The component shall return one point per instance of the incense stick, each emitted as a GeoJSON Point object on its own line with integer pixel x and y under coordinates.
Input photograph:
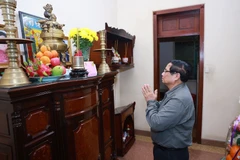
{"type": "Point", "coordinates": [116, 45]}
{"type": "Point", "coordinates": [126, 49]}
{"type": "Point", "coordinates": [77, 41]}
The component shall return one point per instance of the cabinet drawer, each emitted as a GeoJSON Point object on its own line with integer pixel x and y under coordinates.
{"type": "Point", "coordinates": [80, 101]}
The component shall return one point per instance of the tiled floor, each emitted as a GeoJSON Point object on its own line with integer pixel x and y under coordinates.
{"type": "Point", "coordinates": [142, 150]}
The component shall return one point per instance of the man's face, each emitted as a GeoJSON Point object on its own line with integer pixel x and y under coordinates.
{"type": "Point", "coordinates": [3, 47]}
{"type": "Point", "coordinates": [167, 77]}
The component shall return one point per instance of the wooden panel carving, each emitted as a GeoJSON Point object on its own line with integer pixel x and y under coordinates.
{"type": "Point", "coordinates": [119, 32]}
{"type": "Point", "coordinates": [186, 23]}
{"type": "Point", "coordinates": [4, 129]}
{"type": "Point", "coordinates": [106, 125]}
{"type": "Point", "coordinates": [174, 25]}
{"type": "Point", "coordinates": [80, 104]}
{"type": "Point", "coordinates": [37, 122]}
{"type": "Point", "coordinates": [86, 140]}
{"type": "Point", "coordinates": [105, 96]}
{"type": "Point", "coordinates": [16, 119]}
{"type": "Point", "coordinates": [168, 25]}
{"type": "Point", "coordinates": [42, 153]}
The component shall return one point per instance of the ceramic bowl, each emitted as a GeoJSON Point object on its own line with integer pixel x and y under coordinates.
{"type": "Point", "coordinates": [125, 59]}
{"type": "Point", "coordinates": [115, 60]}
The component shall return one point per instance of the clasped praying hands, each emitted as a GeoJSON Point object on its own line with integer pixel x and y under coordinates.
{"type": "Point", "coordinates": [148, 93]}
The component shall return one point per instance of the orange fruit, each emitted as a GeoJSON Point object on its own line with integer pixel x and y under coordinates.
{"type": "Point", "coordinates": [234, 150]}
{"type": "Point", "coordinates": [54, 53]}
{"type": "Point", "coordinates": [48, 54]}
{"type": "Point", "coordinates": [45, 59]}
{"type": "Point", "coordinates": [43, 48]}
{"type": "Point", "coordinates": [39, 54]}
{"type": "Point", "coordinates": [228, 157]}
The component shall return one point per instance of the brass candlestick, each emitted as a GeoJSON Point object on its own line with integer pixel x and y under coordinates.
{"type": "Point", "coordinates": [103, 68]}
{"type": "Point", "coordinates": [13, 75]}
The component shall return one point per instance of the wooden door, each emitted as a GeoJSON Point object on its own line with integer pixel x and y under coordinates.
{"type": "Point", "coordinates": [179, 22]}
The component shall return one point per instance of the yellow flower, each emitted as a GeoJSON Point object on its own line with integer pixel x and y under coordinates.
{"type": "Point", "coordinates": [83, 37]}
{"type": "Point", "coordinates": [73, 32]}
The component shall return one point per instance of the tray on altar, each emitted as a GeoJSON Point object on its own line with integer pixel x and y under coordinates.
{"type": "Point", "coordinates": [45, 79]}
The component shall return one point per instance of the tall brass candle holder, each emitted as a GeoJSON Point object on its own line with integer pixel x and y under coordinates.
{"type": "Point", "coordinates": [13, 75]}
{"type": "Point", "coordinates": [103, 68]}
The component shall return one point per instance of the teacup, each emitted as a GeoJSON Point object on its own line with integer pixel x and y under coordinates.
{"type": "Point", "coordinates": [125, 59]}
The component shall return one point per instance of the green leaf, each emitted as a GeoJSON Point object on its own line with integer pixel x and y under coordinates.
{"type": "Point", "coordinates": [40, 79]}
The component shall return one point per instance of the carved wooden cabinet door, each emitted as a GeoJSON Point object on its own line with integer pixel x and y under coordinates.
{"type": "Point", "coordinates": [81, 123]}
{"type": "Point", "coordinates": [35, 125]}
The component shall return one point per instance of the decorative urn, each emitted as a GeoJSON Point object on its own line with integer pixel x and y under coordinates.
{"type": "Point", "coordinates": [52, 33]}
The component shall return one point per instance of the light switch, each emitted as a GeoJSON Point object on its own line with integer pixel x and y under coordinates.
{"type": "Point", "coordinates": [206, 69]}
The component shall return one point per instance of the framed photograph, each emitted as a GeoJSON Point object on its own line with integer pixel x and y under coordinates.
{"type": "Point", "coordinates": [30, 30]}
{"type": "Point", "coordinates": [67, 41]}
{"type": "Point", "coordinates": [3, 49]}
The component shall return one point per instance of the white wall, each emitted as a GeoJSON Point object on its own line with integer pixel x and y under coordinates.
{"type": "Point", "coordinates": [221, 52]}
{"type": "Point", "coordinates": [73, 13]}
{"type": "Point", "coordinates": [221, 55]}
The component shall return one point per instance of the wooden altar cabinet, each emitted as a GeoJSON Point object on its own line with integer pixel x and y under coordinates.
{"type": "Point", "coordinates": [64, 120]}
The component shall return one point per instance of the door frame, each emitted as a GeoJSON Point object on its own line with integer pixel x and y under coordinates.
{"type": "Point", "coordinates": [156, 58]}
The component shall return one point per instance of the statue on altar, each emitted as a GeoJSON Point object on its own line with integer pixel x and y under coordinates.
{"type": "Point", "coordinates": [52, 33]}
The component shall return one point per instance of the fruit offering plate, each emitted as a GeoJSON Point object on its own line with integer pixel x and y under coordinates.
{"type": "Point", "coordinates": [45, 79]}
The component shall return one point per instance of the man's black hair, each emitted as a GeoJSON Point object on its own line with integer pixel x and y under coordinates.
{"type": "Point", "coordinates": [181, 67]}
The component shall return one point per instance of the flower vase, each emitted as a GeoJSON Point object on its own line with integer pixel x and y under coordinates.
{"type": "Point", "coordinates": [86, 53]}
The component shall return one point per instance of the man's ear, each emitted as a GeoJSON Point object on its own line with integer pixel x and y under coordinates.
{"type": "Point", "coordinates": [177, 75]}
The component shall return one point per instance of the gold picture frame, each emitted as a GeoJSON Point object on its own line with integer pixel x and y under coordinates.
{"type": "Point", "coordinates": [5, 64]}
{"type": "Point", "coordinates": [67, 41]}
